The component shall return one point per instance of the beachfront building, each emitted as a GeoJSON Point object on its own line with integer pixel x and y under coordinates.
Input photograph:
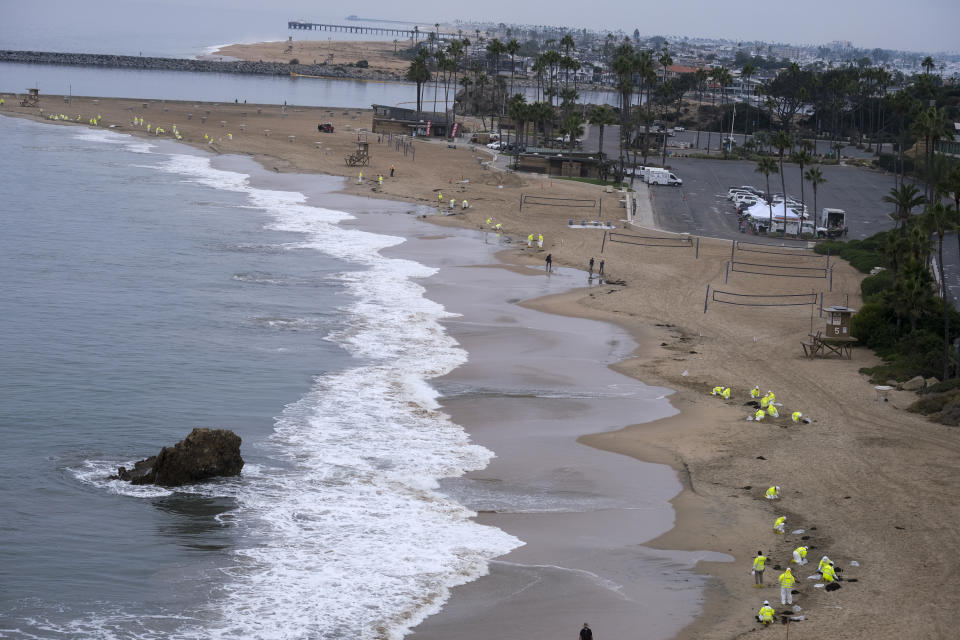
{"type": "Point", "coordinates": [553, 162]}
{"type": "Point", "coordinates": [396, 120]}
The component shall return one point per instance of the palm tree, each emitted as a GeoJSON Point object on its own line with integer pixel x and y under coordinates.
{"type": "Point", "coordinates": [512, 48]}
{"type": "Point", "coordinates": [904, 198]}
{"type": "Point", "coordinates": [940, 220]}
{"type": "Point", "coordinates": [724, 78]}
{"type": "Point", "coordinates": [623, 66]}
{"type": "Point", "coordinates": [782, 141]}
{"type": "Point", "coordinates": [568, 45]}
{"type": "Point", "coordinates": [928, 64]}
{"type": "Point", "coordinates": [419, 72]}
{"type": "Point", "coordinates": [700, 78]}
{"type": "Point", "coordinates": [802, 157]}
{"type": "Point", "coordinates": [746, 73]}
{"type": "Point", "coordinates": [933, 124]}
{"type": "Point", "coordinates": [713, 102]}
{"type": "Point", "coordinates": [496, 49]}
{"type": "Point", "coordinates": [456, 51]}
{"type": "Point", "coordinates": [766, 166]}
{"type": "Point", "coordinates": [602, 115]}
{"type": "Point", "coordinates": [643, 66]}
{"type": "Point", "coordinates": [815, 177]}
{"type": "Point", "coordinates": [573, 127]}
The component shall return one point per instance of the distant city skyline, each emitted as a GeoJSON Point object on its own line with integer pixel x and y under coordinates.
{"type": "Point", "coordinates": [923, 26]}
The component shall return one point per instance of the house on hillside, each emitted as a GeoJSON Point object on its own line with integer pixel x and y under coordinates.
{"type": "Point", "coordinates": [676, 70]}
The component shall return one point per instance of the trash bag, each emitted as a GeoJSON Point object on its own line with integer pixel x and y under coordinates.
{"type": "Point", "coordinates": [854, 563]}
{"type": "Point", "coordinates": [833, 586]}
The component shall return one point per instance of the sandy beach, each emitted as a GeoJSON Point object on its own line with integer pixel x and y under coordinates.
{"type": "Point", "coordinates": [865, 480]}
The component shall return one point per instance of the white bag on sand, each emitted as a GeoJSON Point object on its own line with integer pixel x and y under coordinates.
{"type": "Point", "coordinates": [797, 608]}
{"type": "Point", "coordinates": [797, 618]}
{"type": "Point", "coordinates": [797, 531]}
{"type": "Point", "coordinates": [854, 563]}
{"type": "Point", "coordinates": [819, 585]}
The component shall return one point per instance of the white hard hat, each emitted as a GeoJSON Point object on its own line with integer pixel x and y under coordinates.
{"type": "Point", "coordinates": [766, 602]}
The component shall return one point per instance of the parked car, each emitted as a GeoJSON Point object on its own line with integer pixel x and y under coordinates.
{"type": "Point", "coordinates": [679, 129]}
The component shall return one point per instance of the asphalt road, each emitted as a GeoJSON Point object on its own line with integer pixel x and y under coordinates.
{"type": "Point", "coordinates": [700, 206]}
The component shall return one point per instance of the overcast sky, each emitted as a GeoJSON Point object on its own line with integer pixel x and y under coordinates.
{"type": "Point", "coordinates": [920, 25]}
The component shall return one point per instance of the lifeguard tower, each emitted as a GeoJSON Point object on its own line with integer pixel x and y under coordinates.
{"type": "Point", "coordinates": [361, 157]}
{"type": "Point", "coordinates": [835, 338]}
{"type": "Point", "coordinates": [32, 99]}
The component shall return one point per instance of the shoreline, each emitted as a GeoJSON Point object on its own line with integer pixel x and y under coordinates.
{"type": "Point", "coordinates": [818, 464]}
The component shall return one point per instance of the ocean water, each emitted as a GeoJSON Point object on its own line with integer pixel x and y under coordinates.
{"type": "Point", "coordinates": [144, 293]}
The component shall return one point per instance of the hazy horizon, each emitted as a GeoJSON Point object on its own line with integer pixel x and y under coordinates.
{"type": "Point", "coordinates": [925, 26]}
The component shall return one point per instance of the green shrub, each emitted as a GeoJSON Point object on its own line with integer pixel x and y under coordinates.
{"type": "Point", "coordinates": [872, 285]}
{"type": "Point", "coordinates": [934, 403]}
{"type": "Point", "coordinates": [872, 326]}
{"type": "Point", "coordinates": [943, 387]}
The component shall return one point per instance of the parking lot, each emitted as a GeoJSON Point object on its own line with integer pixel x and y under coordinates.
{"type": "Point", "coordinates": [715, 140]}
{"type": "Point", "coordinates": [700, 206]}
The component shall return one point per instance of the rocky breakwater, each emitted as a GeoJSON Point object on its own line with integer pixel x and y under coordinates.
{"type": "Point", "coordinates": [204, 454]}
{"type": "Point", "coordinates": [187, 64]}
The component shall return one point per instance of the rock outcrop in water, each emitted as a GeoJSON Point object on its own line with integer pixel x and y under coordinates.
{"type": "Point", "coordinates": [204, 454]}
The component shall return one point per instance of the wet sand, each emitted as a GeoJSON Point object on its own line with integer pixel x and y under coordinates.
{"type": "Point", "coordinates": [868, 480]}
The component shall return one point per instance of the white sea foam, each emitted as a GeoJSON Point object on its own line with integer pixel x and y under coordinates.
{"type": "Point", "coordinates": [353, 539]}
{"type": "Point", "coordinates": [112, 137]}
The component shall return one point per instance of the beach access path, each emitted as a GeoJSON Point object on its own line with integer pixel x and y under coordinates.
{"type": "Point", "coordinates": [865, 479]}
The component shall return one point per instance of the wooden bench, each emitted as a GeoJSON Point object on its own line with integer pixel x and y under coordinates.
{"type": "Point", "coordinates": [812, 346]}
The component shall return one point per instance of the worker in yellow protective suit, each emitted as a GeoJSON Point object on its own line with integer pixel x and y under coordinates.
{"type": "Point", "coordinates": [796, 416]}
{"type": "Point", "coordinates": [800, 555]}
{"type": "Point", "coordinates": [759, 564]}
{"type": "Point", "coordinates": [773, 493]}
{"type": "Point", "coordinates": [779, 524]}
{"type": "Point", "coordinates": [829, 573]}
{"type": "Point", "coordinates": [766, 613]}
{"type": "Point", "coordinates": [759, 415]}
{"type": "Point", "coordinates": [787, 581]}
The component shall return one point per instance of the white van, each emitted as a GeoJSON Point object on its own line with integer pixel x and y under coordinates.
{"type": "Point", "coordinates": [662, 176]}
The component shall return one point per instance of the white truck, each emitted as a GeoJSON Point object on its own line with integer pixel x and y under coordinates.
{"type": "Point", "coordinates": [662, 176]}
{"type": "Point", "coordinates": [832, 223]}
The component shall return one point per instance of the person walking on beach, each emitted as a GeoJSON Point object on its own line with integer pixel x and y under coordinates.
{"type": "Point", "coordinates": [591, 266]}
{"type": "Point", "coordinates": [529, 240]}
{"type": "Point", "coordinates": [549, 261]}
{"type": "Point", "coordinates": [540, 240]}
{"type": "Point", "coordinates": [600, 270]}
{"type": "Point", "coordinates": [586, 633]}
{"type": "Point", "coordinates": [380, 182]}
{"type": "Point", "coordinates": [759, 564]}
{"type": "Point", "coordinates": [787, 581]}
{"type": "Point", "coordinates": [392, 170]}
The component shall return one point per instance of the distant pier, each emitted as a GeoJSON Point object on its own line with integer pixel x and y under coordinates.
{"type": "Point", "coordinates": [382, 31]}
